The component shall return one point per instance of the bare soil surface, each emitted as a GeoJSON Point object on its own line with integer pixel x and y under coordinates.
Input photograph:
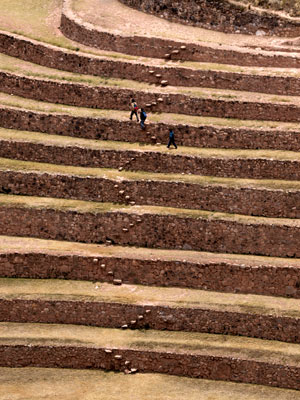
{"type": "Point", "coordinates": [64, 384]}
{"type": "Point", "coordinates": [113, 16]}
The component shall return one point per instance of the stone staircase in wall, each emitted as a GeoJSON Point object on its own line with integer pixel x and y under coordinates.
{"type": "Point", "coordinates": [119, 254]}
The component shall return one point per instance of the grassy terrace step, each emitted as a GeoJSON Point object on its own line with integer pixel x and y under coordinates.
{"type": "Point", "coordinates": [114, 16]}
{"type": "Point", "coordinates": [270, 80]}
{"type": "Point", "coordinates": [25, 114]}
{"type": "Point", "coordinates": [251, 197]}
{"type": "Point", "coordinates": [36, 258]}
{"type": "Point", "coordinates": [14, 16]}
{"type": "Point", "coordinates": [113, 93]}
{"type": "Point", "coordinates": [39, 36]}
{"type": "Point", "coordinates": [45, 16]}
{"type": "Point", "coordinates": [32, 70]}
{"type": "Point", "coordinates": [43, 28]}
{"type": "Point", "coordinates": [177, 353]}
{"type": "Point", "coordinates": [140, 307]}
{"type": "Point", "coordinates": [40, 383]}
{"type": "Point", "coordinates": [148, 226]}
{"type": "Point", "coordinates": [255, 164]}
{"type": "Point", "coordinates": [111, 31]}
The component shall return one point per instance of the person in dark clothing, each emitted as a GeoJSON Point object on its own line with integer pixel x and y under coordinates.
{"type": "Point", "coordinates": [143, 117]}
{"type": "Point", "coordinates": [134, 110]}
{"type": "Point", "coordinates": [171, 139]}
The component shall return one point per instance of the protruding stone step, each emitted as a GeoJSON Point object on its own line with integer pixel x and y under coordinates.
{"type": "Point", "coordinates": [249, 197]}
{"type": "Point", "coordinates": [207, 102]}
{"type": "Point", "coordinates": [148, 226]}
{"type": "Point", "coordinates": [155, 227]}
{"type": "Point", "coordinates": [255, 164]}
{"type": "Point", "coordinates": [173, 309]}
{"type": "Point", "coordinates": [177, 353]}
{"type": "Point", "coordinates": [215, 75]}
{"type": "Point", "coordinates": [36, 258]}
{"type": "Point", "coordinates": [142, 45]}
{"type": "Point", "coordinates": [198, 132]}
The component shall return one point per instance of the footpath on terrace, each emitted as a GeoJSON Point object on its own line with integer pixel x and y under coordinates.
{"type": "Point", "coordinates": [127, 267]}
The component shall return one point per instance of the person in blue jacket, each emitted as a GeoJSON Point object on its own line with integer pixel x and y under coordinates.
{"type": "Point", "coordinates": [143, 117]}
{"type": "Point", "coordinates": [171, 139]}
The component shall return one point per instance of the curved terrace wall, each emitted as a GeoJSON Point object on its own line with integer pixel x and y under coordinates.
{"type": "Point", "coordinates": [170, 231]}
{"type": "Point", "coordinates": [247, 201]}
{"type": "Point", "coordinates": [106, 97]}
{"type": "Point", "coordinates": [116, 314]}
{"type": "Point", "coordinates": [182, 364]}
{"type": "Point", "coordinates": [77, 30]}
{"type": "Point", "coordinates": [67, 60]}
{"type": "Point", "coordinates": [219, 15]}
{"type": "Point", "coordinates": [225, 276]}
{"type": "Point", "coordinates": [54, 57]}
{"type": "Point", "coordinates": [151, 161]}
{"type": "Point", "coordinates": [149, 227]}
{"type": "Point", "coordinates": [111, 129]}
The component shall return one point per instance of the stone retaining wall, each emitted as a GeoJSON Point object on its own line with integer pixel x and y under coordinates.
{"type": "Point", "coordinates": [115, 315]}
{"type": "Point", "coordinates": [151, 161]}
{"type": "Point", "coordinates": [111, 98]}
{"type": "Point", "coordinates": [248, 201]}
{"type": "Point", "coordinates": [66, 60]}
{"type": "Point", "coordinates": [76, 30]}
{"type": "Point", "coordinates": [112, 129]}
{"type": "Point", "coordinates": [106, 97]}
{"type": "Point", "coordinates": [219, 15]}
{"type": "Point", "coordinates": [181, 364]}
{"type": "Point", "coordinates": [264, 278]}
{"type": "Point", "coordinates": [174, 231]}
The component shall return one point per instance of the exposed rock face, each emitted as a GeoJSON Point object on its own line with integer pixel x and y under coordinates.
{"type": "Point", "coordinates": [291, 7]}
{"type": "Point", "coordinates": [219, 15]}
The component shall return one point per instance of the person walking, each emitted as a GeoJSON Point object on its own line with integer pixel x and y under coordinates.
{"type": "Point", "coordinates": [171, 139]}
{"type": "Point", "coordinates": [143, 117]}
{"type": "Point", "coordinates": [134, 110]}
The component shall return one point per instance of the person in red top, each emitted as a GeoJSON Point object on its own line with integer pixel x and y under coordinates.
{"type": "Point", "coordinates": [134, 110]}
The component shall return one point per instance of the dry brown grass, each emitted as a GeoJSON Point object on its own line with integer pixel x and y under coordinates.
{"type": "Point", "coordinates": [25, 245]}
{"type": "Point", "coordinates": [64, 290]}
{"type": "Point", "coordinates": [9, 64]}
{"type": "Point", "coordinates": [98, 208]}
{"type": "Point", "coordinates": [179, 342]}
{"type": "Point", "coordinates": [64, 384]}
{"type": "Point", "coordinates": [105, 173]}
{"type": "Point", "coordinates": [67, 141]}
{"type": "Point", "coordinates": [23, 103]}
